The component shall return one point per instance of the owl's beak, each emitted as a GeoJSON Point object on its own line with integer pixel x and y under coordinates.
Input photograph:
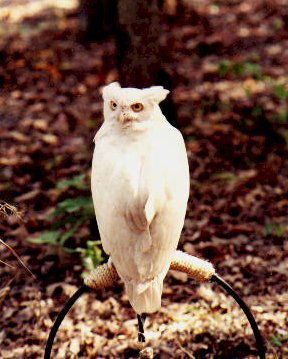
{"type": "Point", "coordinates": [124, 118]}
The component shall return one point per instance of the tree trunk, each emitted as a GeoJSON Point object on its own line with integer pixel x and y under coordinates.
{"type": "Point", "coordinates": [139, 57]}
{"type": "Point", "coordinates": [138, 42]}
{"type": "Point", "coordinates": [136, 24]}
{"type": "Point", "coordinates": [97, 19]}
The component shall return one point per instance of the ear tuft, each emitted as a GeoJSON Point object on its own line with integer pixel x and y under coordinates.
{"type": "Point", "coordinates": [109, 89]}
{"type": "Point", "coordinates": [156, 93]}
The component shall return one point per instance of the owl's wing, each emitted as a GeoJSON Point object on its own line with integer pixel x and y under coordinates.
{"type": "Point", "coordinates": [165, 178]}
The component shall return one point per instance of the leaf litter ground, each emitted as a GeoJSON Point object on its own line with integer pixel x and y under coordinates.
{"type": "Point", "coordinates": [229, 62]}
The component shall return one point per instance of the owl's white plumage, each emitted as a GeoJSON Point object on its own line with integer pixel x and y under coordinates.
{"type": "Point", "coordinates": [140, 188]}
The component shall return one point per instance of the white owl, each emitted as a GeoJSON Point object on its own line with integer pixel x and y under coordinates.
{"type": "Point", "coordinates": [140, 188]}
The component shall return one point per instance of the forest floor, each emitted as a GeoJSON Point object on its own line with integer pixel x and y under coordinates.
{"type": "Point", "coordinates": [229, 63]}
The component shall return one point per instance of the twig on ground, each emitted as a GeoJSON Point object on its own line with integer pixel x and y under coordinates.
{"type": "Point", "coordinates": [7, 210]}
{"type": "Point", "coordinates": [16, 256]}
{"type": "Point", "coordinates": [7, 264]}
{"type": "Point", "coordinates": [191, 356]}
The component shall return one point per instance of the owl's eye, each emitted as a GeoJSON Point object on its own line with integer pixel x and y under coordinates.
{"type": "Point", "coordinates": [137, 107]}
{"type": "Point", "coordinates": [113, 105]}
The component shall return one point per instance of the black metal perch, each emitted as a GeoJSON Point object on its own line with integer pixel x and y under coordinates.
{"type": "Point", "coordinates": [196, 268]}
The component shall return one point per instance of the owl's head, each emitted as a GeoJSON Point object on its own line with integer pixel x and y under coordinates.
{"type": "Point", "coordinates": [131, 107]}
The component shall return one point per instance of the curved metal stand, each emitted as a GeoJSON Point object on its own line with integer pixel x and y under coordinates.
{"type": "Point", "coordinates": [258, 337]}
{"type": "Point", "coordinates": [198, 269]}
{"type": "Point", "coordinates": [69, 304]}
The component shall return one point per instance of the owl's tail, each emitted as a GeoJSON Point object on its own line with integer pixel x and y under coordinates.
{"type": "Point", "coordinates": [145, 297]}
